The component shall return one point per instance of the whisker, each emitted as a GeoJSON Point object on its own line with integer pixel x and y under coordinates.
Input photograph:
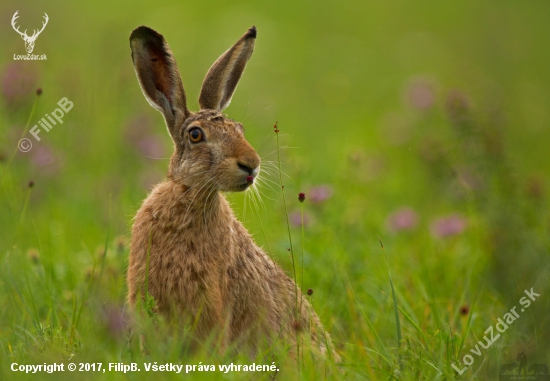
{"type": "Point", "coordinates": [157, 158]}
{"type": "Point", "coordinates": [275, 151]}
{"type": "Point", "coordinates": [273, 182]}
{"type": "Point", "coordinates": [248, 104]}
{"type": "Point", "coordinates": [275, 175]}
{"type": "Point", "coordinates": [267, 140]}
{"type": "Point", "coordinates": [211, 211]}
{"type": "Point", "coordinates": [262, 181]}
{"type": "Point", "coordinates": [191, 203]}
{"type": "Point", "coordinates": [253, 199]}
{"type": "Point", "coordinates": [256, 113]}
{"type": "Point", "coordinates": [261, 202]}
{"type": "Point", "coordinates": [244, 206]}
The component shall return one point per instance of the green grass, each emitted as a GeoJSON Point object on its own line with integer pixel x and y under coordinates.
{"type": "Point", "coordinates": [439, 108]}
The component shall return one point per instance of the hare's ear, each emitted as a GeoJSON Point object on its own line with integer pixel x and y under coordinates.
{"type": "Point", "coordinates": [222, 78]}
{"type": "Point", "coordinates": [158, 76]}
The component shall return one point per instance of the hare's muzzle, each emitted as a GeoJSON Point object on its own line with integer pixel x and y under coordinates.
{"type": "Point", "coordinates": [248, 170]}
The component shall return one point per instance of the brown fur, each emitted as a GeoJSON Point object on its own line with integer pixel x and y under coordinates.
{"type": "Point", "coordinates": [203, 265]}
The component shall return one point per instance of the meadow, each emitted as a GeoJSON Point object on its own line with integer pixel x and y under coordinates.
{"type": "Point", "coordinates": [418, 132]}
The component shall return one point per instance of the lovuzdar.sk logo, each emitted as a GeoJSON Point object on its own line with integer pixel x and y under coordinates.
{"type": "Point", "coordinates": [29, 40]}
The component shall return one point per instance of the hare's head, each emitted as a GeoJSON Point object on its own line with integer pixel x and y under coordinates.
{"type": "Point", "coordinates": [210, 149]}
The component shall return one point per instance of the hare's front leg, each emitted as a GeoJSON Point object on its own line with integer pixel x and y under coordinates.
{"type": "Point", "coordinates": [206, 302]}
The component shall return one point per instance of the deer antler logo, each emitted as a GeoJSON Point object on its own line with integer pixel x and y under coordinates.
{"type": "Point", "coordinates": [29, 40]}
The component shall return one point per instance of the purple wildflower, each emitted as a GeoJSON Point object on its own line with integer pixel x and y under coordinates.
{"type": "Point", "coordinates": [149, 178]}
{"type": "Point", "coordinates": [142, 134]}
{"type": "Point", "coordinates": [402, 219]}
{"type": "Point", "coordinates": [421, 94]}
{"type": "Point", "coordinates": [43, 156]}
{"type": "Point", "coordinates": [448, 226]}
{"type": "Point", "coordinates": [320, 193]}
{"type": "Point", "coordinates": [150, 147]}
{"type": "Point", "coordinates": [116, 321]}
{"type": "Point", "coordinates": [296, 219]}
{"type": "Point", "coordinates": [18, 83]}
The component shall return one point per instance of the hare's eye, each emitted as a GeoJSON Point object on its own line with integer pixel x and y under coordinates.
{"type": "Point", "coordinates": [195, 135]}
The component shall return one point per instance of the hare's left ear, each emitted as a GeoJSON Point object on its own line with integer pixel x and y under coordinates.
{"type": "Point", "coordinates": [222, 78]}
{"type": "Point", "coordinates": [159, 77]}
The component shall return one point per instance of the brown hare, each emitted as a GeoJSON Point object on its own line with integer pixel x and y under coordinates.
{"type": "Point", "coordinates": [198, 262]}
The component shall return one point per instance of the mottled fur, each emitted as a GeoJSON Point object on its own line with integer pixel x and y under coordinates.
{"type": "Point", "coordinates": [204, 267]}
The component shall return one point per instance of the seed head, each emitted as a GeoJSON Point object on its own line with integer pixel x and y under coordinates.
{"type": "Point", "coordinates": [121, 243]}
{"type": "Point", "coordinates": [39, 91]}
{"type": "Point", "coordinates": [89, 273]}
{"type": "Point", "coordinates": [535, 188]}
{"type": "Point", "coordinates": [464, 310]}
{"type": "Point", "coordinates": [68, 295]}
{"type": "Point", "coordinates": [297, 326]}
{"type": "Point", "coordinates": [275, 128]}
{"type": "Point", "coordinates": [301, 197]}
{"type": "Point", "coordinates": [34, 255]}
{"type": "Point", "coordinates": [100, 252]}
{"type": "Point", "coordinates": [31, 184]}
{"type": "Point", "coordinates": [458, 106]}
{"type": "Point", "coordinates": [310, 291]}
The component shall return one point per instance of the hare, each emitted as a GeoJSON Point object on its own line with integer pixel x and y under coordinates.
{"type": "Point", "coordinates": [188, 249]}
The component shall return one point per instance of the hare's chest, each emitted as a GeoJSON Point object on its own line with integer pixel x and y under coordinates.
{"type": "Point", "coordinates": [187, 277]}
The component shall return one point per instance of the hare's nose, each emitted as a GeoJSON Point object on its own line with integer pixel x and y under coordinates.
{"type": "Point", "coordinates": [246, 168]}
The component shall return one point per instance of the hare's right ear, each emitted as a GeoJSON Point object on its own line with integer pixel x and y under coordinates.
{"type": "Point", "coordinates": [222, 78]}
{"type": "Point", "coordinates": [158, 76]}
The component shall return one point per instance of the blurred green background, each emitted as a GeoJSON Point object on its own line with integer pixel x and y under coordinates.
{"type": "Point", "coordinates": [420, 124]}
